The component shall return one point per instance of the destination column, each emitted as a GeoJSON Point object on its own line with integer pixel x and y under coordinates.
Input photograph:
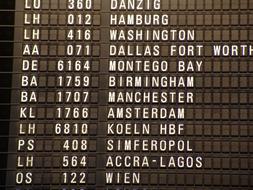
{"type": "Point", "coordinates": [150, 88]}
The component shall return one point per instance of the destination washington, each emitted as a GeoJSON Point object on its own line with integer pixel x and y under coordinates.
{"type": "Point", "coordinates": [152, 81]}
{"type": "Point", "coordinates": [151, 35]}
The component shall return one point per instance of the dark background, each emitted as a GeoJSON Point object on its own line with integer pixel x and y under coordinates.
{"type": "Point", "coordinates": [7, 8]}
{"type": "Point", "coordinates": [212, 126]}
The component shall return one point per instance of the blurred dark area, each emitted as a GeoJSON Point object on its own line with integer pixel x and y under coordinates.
{"type": "Point", "coordinates": [7, 13]}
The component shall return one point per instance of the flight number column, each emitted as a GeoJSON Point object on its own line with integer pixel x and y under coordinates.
{"type": "Point", "coordinates": [76, 96]}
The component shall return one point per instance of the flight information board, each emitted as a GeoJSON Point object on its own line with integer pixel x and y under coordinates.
{"type": "Point", "coordinates": [126, 94]}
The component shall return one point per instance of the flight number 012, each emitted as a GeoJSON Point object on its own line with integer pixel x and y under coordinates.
{"type": "Point", "coordinates": [79, 19]}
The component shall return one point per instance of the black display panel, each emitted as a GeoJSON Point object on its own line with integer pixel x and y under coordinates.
{"type": "Point", "coordinates": [126, 94]}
